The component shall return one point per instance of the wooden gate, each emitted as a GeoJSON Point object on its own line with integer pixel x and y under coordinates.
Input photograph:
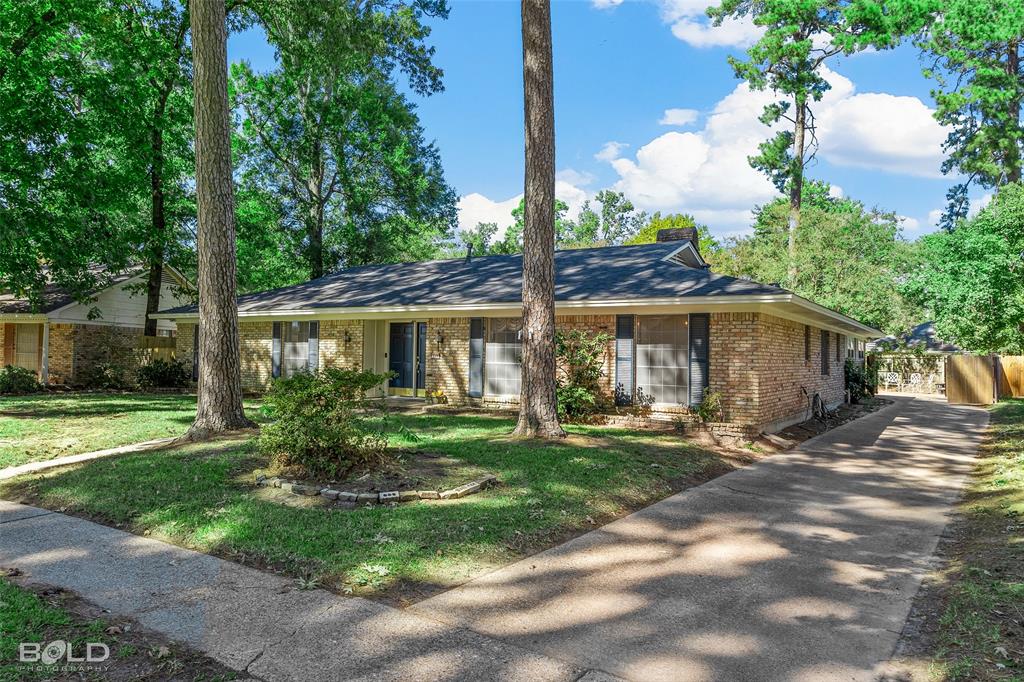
{"type": "Point", "coordinates": [1011, 376]}
{"type": "Point", "coordinates": [970, 380]}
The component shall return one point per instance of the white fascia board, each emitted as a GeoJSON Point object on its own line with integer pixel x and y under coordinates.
{"type": "Point", "coordinates": [23, 317]}
{"type": "Point", "coordinates": [766, 303]}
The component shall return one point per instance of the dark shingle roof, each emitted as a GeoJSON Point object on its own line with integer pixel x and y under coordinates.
{"type": "Point", "coordinates": [609, 273]}
{"type": "Point", "coordinates": [922, 337]}
{"type": "Point", "coordinates": [54, 296]}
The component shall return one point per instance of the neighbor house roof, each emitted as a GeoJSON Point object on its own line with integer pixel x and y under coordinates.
{"type": "Point", "coordinates": [922, 337]}
{"type": "Point", "coordinates": [615, 274]}
{"type": "Point", "coordinates": [55, 297]}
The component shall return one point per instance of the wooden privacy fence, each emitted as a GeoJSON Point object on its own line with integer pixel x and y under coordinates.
{"type": "Point", "coordinates": [1011, 376]}
{"type": "Point", "coordinates": [971, 379]}
{"type": "Point", "coordinates": [155, 348]}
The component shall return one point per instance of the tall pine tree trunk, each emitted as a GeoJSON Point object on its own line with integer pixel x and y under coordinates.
{"type": "Point", "coordinates": [796, 188]}
{"type": "Point", "coordinates": [220, 382]}
{"type": "Point", "coordinates": [157, 229]}
{"type": "Point", "coordinates": [538, 406]}
{"type": "Point", "coordinates": [1013, 161]}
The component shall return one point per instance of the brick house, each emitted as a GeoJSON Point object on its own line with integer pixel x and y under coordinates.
{"type": "Point", "coordinates": [62, 336]}
{"type": "Point", "coordinates": [675, 329]}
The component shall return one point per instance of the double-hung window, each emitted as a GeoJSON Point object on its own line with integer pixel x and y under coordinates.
{"type": "Point", "coordinates": [504, 357]}
{"type": "Point", "coordinates": [662, 359]}
{"type": "Point", "coordinates": [294, 348]}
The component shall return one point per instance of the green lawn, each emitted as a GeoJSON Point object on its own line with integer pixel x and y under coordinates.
{"type": "Point", "coordinates": [41, 427]}
{"type": "Point", "coordinates": [981, 630]}
{"type": "Point", "coordinates": [201, 496]}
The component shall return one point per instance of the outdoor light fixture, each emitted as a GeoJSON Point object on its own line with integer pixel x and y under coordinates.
{"type": "Point", "coordinates": [348, 337]}
{"type": "Point", "coordinates": [440, 339]}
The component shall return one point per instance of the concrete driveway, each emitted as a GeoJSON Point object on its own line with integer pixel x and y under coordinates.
{"type": "Point", "coordinates": [800, 567]}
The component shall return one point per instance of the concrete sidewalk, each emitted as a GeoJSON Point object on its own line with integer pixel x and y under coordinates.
{"type": "Point", "coordinates": [800, 567]}
{"type": "Point", "coordinates": [249, 620]}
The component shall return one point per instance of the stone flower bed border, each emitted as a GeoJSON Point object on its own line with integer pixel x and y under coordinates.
{"type": "Point", "coordinates": [388, 497]}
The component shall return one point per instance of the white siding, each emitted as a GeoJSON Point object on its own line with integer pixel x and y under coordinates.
{"type": "Point", "coordinates": [123, 305]}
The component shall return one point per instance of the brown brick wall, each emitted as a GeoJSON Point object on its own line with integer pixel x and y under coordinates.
{"type": "Point", "coordinates": [448, 362]}
{"type": "Point", "coordinates": [61, 356]}
{"type": "Point", "coordinates": [95, 344]}
{"type": "Point", "coordinates": [756, 360]}
{"type": "Point", "coordinates": [183, 344]}
{"type": "Point", "coordinates": [335, 351]}
{"type": "Point", "coordinates": [256, 348]}
{"type": "Point", "coordinates": [757, 364]}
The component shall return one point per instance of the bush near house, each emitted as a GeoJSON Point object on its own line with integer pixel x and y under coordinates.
{"type": "Point", "coordinates": [861, 380]}
{"type": "Point", "coordinates": [104, 376]}
{"type": "Point", "coordinates": [324, 424]}
{"type": "Point", "coordinates": [163, 374]}
{"type": "Point", "coordinates": [18, 381]}
{"type": "Point", "coordinates": [580, 356]}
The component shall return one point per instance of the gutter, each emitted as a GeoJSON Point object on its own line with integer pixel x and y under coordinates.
{"type": "Point", "coordinates": [466, 309]}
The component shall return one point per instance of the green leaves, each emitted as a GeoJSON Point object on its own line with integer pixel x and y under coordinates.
{"type": "Point", "coordinates": [972, 279]}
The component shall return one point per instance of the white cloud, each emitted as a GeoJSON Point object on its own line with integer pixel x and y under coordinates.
{"type": "Point", "coordinates": [610, 151]}
{"type": "Point", "coordinates": [678, 117]}
{"type": "Point", "coordinates": [689, 23]}
{"type": "Point", "coordinates": [476, 208]}
{"type": "Point", "coordinates": [731, 33]}
{"type": "Point", "coordinates": [706, 171]}
{"type": "Point", "coordinates": [836, 192]}
{"type": "Point", "coordinates": [909, 223]}
{"type": "Point", "coordinates": [575, 177]}
{"type": "Point", "coordinates": [979, 203]}
{"type": "Point", "coordinates": [882, 132]}
{"type": "Point", "coordinates": [934, 216]}
{"type": "Point", "coordinates": [606, 4]}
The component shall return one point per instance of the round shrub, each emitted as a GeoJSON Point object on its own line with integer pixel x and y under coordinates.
{"type": "Point", "coordinates": [18, 381]}
{"type": "Point", "coordinates": [103, 376]}
{"type": "Point", "coordinates": [324, 425]}
{"type": "Point", "coordinates": [163, 374]}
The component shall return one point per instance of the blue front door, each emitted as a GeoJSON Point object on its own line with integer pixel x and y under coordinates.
{"type": "Point", "coordinates": [401, 355]}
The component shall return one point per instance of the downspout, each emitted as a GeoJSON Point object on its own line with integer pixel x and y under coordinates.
{"type": "Point", "coordinates": [44, 365]}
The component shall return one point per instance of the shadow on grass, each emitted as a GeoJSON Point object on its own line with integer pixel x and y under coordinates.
{"type": "Point", "coordinates": [201, 497]}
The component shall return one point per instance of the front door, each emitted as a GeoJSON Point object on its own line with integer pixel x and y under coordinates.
{"type": "Point", "coordinates": [401, 358]}
{"type": "Point", "coordinates": [26, 346]}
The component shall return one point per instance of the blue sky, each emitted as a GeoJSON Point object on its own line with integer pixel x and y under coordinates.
{"type": "Point", "coordinates": [619, 68]}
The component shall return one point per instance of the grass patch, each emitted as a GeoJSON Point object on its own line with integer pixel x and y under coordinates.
{"type": "Point", "coordinates": [980, 634]}
{"type": "Point", "coordinates": [40, 615]}
{"type": "Point", "coordinates": [201, 496]}
{"type": "Point", "coordinates": [41, 427]}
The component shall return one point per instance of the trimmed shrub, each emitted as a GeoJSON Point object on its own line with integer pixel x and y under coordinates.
{"type": "Point", "coordinates": [324, 424]}
{"type": "Point", "coordinates": [163, 374]}
{"type": "Point", "coordinates": [580, 356]}
{"type": "Point", "coordinates": [861, 380]}
{"type": "Point", "coordinates": [710, 408]}
{"type": "Point", "coordinates": [103, 376]}
{"type": "Point", "coordinates": [18, 381]}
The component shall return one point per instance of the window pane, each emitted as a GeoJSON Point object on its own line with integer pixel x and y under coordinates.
{"type": "Point", "coordinates": [294, 347]}
{"type": "Point", "coordinates": [662, 351]}
{"type": "Point", "coordinates": [503, 357]}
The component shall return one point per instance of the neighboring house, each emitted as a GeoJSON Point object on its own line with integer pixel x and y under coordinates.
{"type": "Point", "coordinates": [914, 362]}
{"type": "Point", "coordinates": [62, 336]}
{"type": "Point", "coordinates": [454, 326]}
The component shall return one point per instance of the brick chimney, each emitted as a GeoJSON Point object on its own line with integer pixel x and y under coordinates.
{"type": "Point", "coordinates": [680, 234]}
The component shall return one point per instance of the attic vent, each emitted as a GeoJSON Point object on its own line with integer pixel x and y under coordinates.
{"type": "Point", "coordinates": [682, 257]}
